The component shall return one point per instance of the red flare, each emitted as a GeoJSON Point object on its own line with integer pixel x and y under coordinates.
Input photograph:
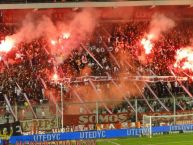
{"type": "Point", "coordinates": [184, 59]}
{"type": "Point", "coordinates": [55, 77]}
{"type": "Point", "coordinates": [66, 35]}
{"type": "Point", "coordinates": [53, 42]}
{"type": "Point", "coordinates": [7, 44]}
{"type": "Point", "coordinates": [147, 45]}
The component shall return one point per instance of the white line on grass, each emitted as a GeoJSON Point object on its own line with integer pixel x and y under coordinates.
{"type": "Point", "coordinates": [114, 143]}
{"type": "Point", "coordinates": [110, 141]}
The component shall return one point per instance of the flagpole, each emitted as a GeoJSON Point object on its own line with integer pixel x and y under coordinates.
{"type": "Point", "coordinates": [62, 107]}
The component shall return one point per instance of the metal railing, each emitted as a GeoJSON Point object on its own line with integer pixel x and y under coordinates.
{"type": "Point", "coordinates": [132, 106]}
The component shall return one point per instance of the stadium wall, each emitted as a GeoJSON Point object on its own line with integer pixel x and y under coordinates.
{"type": "Point", "coordinates": [96, 4]}
{"type": "Point", "coordinates": [105, 14]}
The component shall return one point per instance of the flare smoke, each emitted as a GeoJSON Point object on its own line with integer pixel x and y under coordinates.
{"type": "Point", "coordinates": [160, 24]}
{"type": "Point", "coordinates": [36, 26]}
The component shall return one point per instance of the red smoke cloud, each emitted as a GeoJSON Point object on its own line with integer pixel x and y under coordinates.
{"type": "Point", "coordinates": [73, 32]}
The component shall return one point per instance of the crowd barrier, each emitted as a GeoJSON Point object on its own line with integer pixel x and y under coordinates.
{"type": "Point", "coordinates": [97, 134]}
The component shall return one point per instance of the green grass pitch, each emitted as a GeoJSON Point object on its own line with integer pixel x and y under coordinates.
{"type": "Point", "coordinates": [170, 139]}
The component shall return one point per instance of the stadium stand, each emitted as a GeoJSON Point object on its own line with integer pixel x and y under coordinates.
{"type": "Point", "coordinates": [26, 72]}
{"type": "Point", "coordinates": [33, 63]}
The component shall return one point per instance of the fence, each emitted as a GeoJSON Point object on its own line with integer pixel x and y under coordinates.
{"type": "Point", "coordinates": [88, 114]}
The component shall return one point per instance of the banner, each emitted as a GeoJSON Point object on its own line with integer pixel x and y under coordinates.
{"type": "Point", "coordinates": [40, 124]}
{"type": "Point", "coordinates": [69, 142]}
{"type": "Point", "coordinates": [92, 118]}
{"type": "Point", "coordinates": [97, 134]}
{"type": "Point", "coordinates": [87, 119]}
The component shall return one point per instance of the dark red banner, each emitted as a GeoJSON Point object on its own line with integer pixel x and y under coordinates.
{"type": "Point", "coordinates": [92, 119]}
{"type": "Point", "coordinates": [87, 119]}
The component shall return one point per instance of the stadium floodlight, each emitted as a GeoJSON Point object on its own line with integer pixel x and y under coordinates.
{"type": "Point", "coordinates": [174, 122]}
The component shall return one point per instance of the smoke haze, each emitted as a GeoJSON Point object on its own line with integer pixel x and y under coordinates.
{"type": "Point", "coordinates": [160, 24]}
{"type": "Point", "coordinates": [79, 28]}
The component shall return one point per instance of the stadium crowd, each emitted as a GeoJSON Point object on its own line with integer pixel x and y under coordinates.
{"type": "Point", "coordinates": [116, 46]}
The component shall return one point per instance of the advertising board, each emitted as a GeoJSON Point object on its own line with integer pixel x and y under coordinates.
{"type": "Point", "coordinates": [96, 134]}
